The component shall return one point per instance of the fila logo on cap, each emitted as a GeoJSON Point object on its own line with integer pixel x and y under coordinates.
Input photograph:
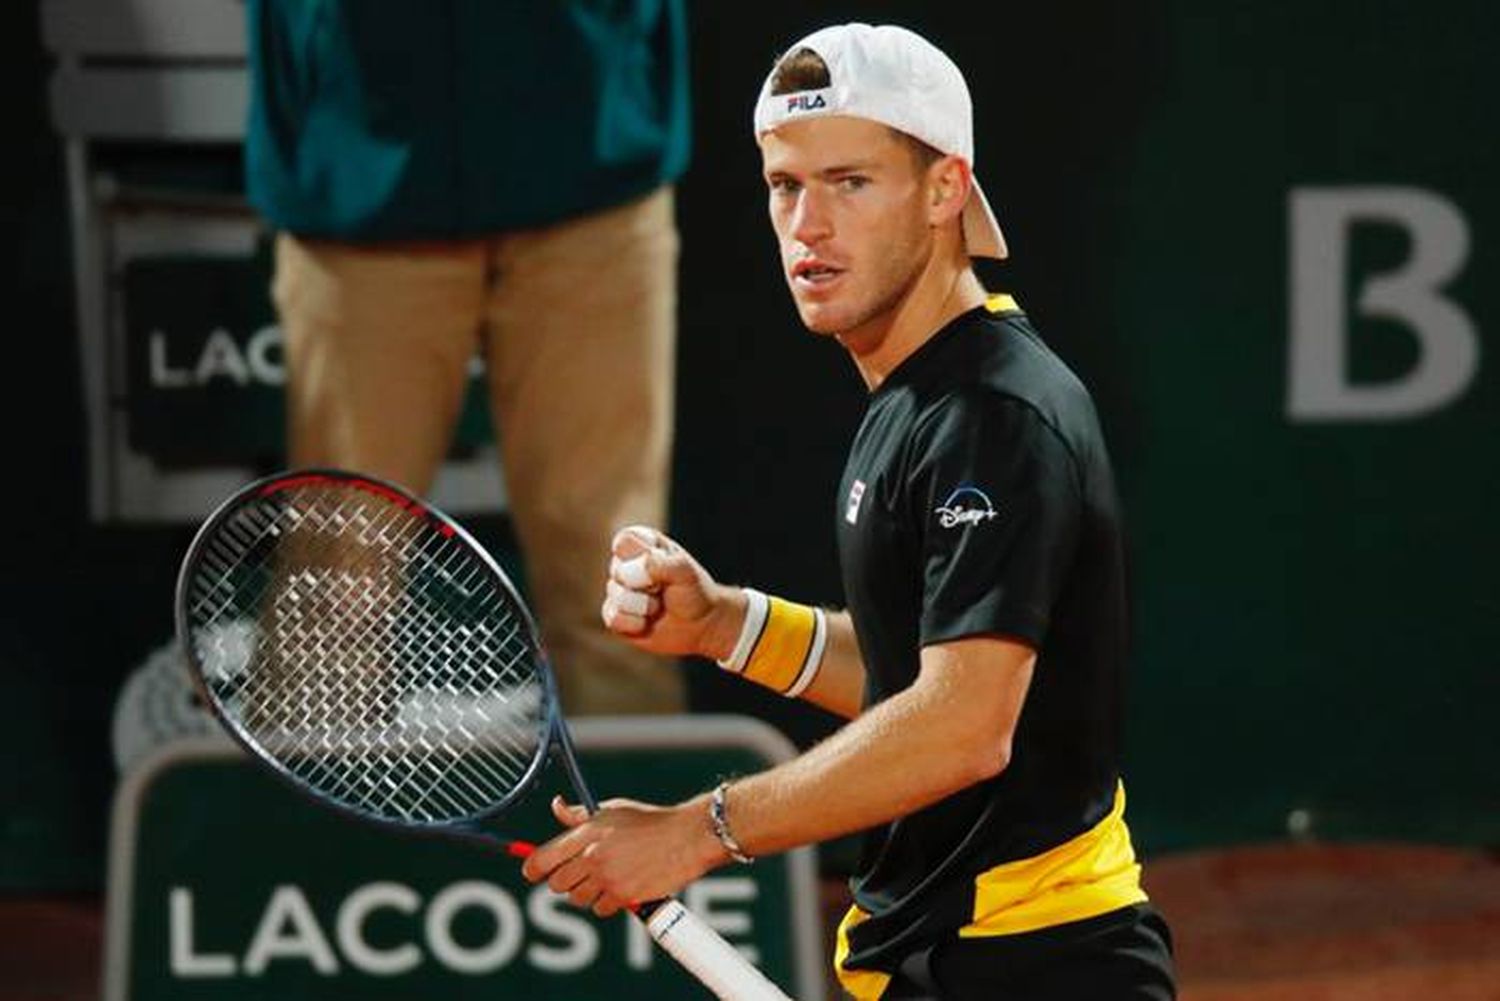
{"type": "Point", "coordinates": [805, 102]}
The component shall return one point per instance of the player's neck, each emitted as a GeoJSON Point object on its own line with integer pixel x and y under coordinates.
{"type": "Point", "coordinates": [946, 288]}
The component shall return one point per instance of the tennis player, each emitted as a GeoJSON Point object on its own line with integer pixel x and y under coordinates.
{"type": "Point", "coordinates": [980, 660]}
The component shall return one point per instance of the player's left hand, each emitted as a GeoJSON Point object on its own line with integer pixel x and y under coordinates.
{"type": "Point", "coordinates": [625, 854]}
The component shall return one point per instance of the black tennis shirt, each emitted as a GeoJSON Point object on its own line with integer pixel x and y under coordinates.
{"type": "Point", "coordinates": [978, 500]}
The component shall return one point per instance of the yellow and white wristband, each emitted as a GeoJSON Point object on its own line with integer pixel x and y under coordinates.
{"type": "Point", "coordinates": [781, 644]}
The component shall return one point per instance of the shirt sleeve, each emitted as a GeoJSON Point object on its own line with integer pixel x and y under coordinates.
{"type": "Point", "coordinates": [998, 502]}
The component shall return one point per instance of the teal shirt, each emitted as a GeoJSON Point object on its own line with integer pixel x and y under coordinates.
{"type": "Point", "coordinates": [436, 119]}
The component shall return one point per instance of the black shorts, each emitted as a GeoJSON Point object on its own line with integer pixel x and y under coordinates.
{"type": "Point", "coordinates": [1125, 955]}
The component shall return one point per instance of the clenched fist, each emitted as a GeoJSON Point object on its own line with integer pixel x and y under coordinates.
{"type": "Point", "coordinates": [659, 598]}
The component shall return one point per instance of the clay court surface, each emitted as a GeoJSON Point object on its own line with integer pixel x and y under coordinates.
{"type": "Point", "coordinates": [1274, 923]}
{"type": "Point", "coordinates": [1314, 923]}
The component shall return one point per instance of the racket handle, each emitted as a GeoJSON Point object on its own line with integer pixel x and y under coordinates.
{"type": "Point", "coordinates": [701, 950]}
{"type": "Point", "coordinates": [705, 954]}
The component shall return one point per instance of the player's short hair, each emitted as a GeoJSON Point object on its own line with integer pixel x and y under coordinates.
{"type": "Point", "coordinates": [804, 69]}
{"type": "Point", "coordinates": [800, 70]}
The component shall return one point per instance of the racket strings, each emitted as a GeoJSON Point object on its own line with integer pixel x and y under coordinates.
{"type": "Point", "coordinates": [320, 586]}
{"type": "Point", "coordinates": [277, 702]}
{"type": "Point", "coordinates": [369, 653]}
{"type": "Point", "coordinates": [431, 750]}
{"type": "Point", "coordinates": [433, 643]}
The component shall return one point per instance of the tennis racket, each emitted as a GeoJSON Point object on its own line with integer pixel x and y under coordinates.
{"type": "Point", "coordinates": [365, 648]}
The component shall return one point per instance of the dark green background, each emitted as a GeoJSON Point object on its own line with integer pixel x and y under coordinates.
{"type": "Point", "coordinates": [1316, 605]}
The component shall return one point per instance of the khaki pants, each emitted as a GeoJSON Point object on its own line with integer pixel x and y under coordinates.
{"type": "Point", "coordinates": [577, 325]}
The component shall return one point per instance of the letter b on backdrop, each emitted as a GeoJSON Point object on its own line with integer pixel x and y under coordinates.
{"type": "Point", "coordinates": [1321, 223]}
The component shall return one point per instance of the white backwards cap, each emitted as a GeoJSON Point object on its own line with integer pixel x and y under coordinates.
{"type": "Point", "coordinates": [896, 77]}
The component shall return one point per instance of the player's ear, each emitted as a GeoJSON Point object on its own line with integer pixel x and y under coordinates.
{"type": "Point", "coordinates": [948, 181]}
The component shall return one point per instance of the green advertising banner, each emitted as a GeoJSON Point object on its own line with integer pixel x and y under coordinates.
{"type": "Point", "coordinates": [206, 366]}
{"type": "Point", "coordinates": [226, 884]}
{"type": "Point", "coordinates": [1307, 346]}
{"type": "Point", "coordinates": [206, 362]}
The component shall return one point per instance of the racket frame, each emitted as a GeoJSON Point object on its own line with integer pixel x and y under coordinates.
{"type": "Point", "coordinates": [554, 738]}
{"type": "Point", "coordinates": [703, 952]}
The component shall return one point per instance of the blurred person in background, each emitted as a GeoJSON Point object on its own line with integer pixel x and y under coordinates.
{"type": "Point", "coordinates": [452, 177]}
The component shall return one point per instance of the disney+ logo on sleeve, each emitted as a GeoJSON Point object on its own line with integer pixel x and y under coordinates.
{"type": "Point", "coordinates": [967, 505]}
